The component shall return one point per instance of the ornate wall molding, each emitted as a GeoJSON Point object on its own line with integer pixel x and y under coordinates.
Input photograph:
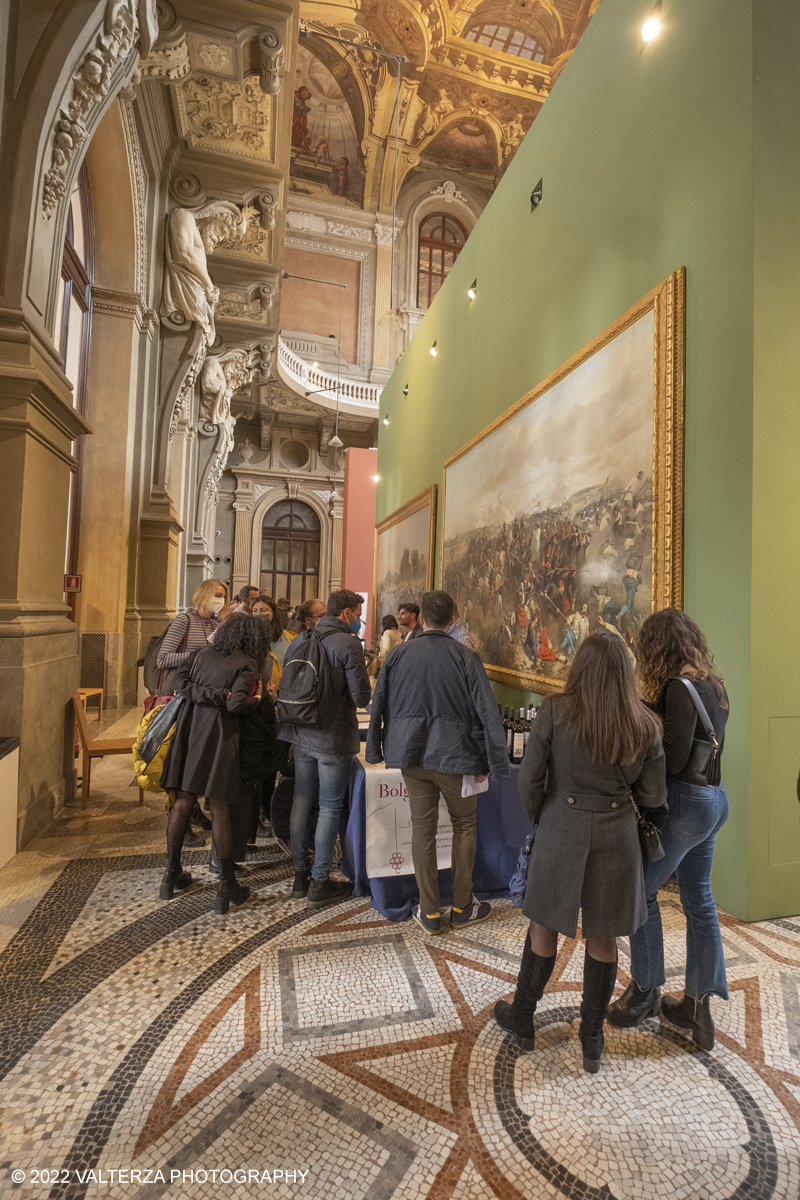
{"type": "Point", "coordinates": [138, 190]}
{"type": "Point", "coordinates": [126, 24]}
{"type": "Point", "coordinates": [224, 117]}
{"type": "Point", "coordinates": [449, 192]}
{"type": "Point", "coordinates": [167, 60]}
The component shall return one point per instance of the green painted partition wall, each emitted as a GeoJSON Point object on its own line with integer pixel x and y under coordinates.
{"type": "Point", "coordinates": [683, 153]}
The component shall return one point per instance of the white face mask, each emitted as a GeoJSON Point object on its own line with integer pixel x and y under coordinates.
{"type": "Point", "coordinates": [217, 604]}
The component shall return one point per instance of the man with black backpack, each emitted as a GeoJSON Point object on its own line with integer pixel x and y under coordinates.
{"type": "Point", "coordinates": [324, 681]}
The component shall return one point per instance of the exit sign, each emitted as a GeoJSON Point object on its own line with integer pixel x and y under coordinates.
{"type": "Point", "coordinates": [72, 583]}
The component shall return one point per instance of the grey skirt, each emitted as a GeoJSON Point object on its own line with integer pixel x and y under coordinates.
{"type": "Point", "coordinates": [586, 860]}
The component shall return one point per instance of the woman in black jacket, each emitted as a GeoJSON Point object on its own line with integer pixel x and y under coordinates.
{"type": "Point", "coordinates": [203, 756]}
{"type": "Point", "coordinates": [590, 751]}
{"type": "Point", "coordinates": [671, 651]}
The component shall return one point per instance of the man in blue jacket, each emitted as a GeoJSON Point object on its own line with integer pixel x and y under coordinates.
{"type": "Point", "coordinates": [434, 717]}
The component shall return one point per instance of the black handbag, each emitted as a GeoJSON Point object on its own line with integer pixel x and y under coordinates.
{"type": "Point", "coordinates": [649, 837]}
{"type": "Point", "coordinates": [704, 764]}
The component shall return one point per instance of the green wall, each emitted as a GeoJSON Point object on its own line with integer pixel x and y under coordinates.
{"type": "Point", "coordinates": [649, 163]}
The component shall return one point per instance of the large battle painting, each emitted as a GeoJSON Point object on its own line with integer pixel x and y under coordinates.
{"type": "Point", "coordinates": [564, 516]}
{"type": "Point", "coordinates": [404, 550]}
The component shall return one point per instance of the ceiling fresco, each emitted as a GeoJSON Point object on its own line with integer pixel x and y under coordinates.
{"type": "Point", "coordinates": [476, 77]}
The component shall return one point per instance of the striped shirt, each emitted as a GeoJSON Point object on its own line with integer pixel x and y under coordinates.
{"type": "Point", "coordinates": [200, 629]}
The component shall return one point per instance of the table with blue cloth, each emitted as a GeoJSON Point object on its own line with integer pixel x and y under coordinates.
{"type": "Point", "coordinates": [503, 826]}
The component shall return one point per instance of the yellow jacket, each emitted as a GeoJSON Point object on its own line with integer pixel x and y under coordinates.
{"type": "Point", "coordinates": [276, 666]}
{"type": "Point", "coordinates": [148, 776]}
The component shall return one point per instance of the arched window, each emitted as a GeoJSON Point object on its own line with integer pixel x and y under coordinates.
{"type": "Point", "coordinates": [71, 334]}
{"type": "Point", "coordinates": [290, 551]}
{"type": "Point", "coordinates": [441, 238]}
{"type": "Point", "coordinates": [508, 39]}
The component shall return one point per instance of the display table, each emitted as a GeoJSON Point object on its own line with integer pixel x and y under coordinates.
{"type": "Point", "coordinates": [503, 826]}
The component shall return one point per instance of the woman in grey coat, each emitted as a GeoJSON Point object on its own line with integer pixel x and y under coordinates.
{"type": "Point", "coordinates": [589, 750]}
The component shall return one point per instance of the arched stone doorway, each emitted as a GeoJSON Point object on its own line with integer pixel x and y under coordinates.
{"type": "Point", "coordinates": [290, 551]}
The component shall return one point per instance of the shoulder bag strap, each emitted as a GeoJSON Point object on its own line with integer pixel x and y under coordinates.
{"type": "Point", "coordinates": [701, 709]}
{"type": "Point", "coordinates": [628, 791]}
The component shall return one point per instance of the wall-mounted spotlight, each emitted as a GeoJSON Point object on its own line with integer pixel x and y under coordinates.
{"type": "Point", "coordinates": [434, 351]}
{"type": "Point", "coordinates": [405, 390]}
{"type": "Point", "coordinates": [652, 26]}
{"type": "Point", "coordinates": [386, 420]}
{"type": "Point", "coordinates": [536, 196]}
{"type": "Point", "coordinates": [472, 290]}
{"type": "Point", "coordinates": [376, 478]}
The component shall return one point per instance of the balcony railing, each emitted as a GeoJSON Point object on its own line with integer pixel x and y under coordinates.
{"type": "Point", "coordinates": [307, 378]}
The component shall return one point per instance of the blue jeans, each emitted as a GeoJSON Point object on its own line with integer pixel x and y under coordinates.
{"type": "Point", "coordinates": [331, 774]}
{"type": "Point", "coordinates": [689, 830]}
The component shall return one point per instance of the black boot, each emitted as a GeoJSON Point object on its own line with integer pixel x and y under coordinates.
{"type": "Point", "coordinates": [692, 1014]}
{"type": "Point", "coordinates": [598, 988]}
{"type": "Point", "coordinates": [517, 1018]}
{"type": "Point", "coordinates": [302, 880]}
{"type": "Point", "coordinates": [175, 878]}
{"type": "Point", "coordinates": [199, 817]}
{"type": "Point", "coordinates": [229, 890]}
{"type": "Point", "coordinates": [634, 1006]}
{"type": "Point", "coordinates": [327, 891]}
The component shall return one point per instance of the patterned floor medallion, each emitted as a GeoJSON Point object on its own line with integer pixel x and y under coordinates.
{"type": "Point", "coordinates": [152, 1049]}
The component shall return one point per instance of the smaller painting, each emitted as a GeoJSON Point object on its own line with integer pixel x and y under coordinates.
{"type": "Point", "coordinates": [404, 552]}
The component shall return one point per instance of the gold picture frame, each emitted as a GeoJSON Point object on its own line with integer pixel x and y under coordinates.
{"type": "Point", "coordinates": [425, 499]}
{"type": "Point", "coordinates": [667, 303]}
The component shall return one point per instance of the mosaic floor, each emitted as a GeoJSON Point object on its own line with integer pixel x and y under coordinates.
{"type": "Point", "coordinates": [153, 1049]}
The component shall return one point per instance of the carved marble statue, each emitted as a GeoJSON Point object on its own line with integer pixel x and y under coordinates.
{"type": "Point", "coordinates": [223, 375]}
{"type": "Point", "coordinates": [192, 234]}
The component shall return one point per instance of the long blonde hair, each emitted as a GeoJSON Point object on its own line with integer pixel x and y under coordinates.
{"type": "Point", "coordinates": [205, 592]}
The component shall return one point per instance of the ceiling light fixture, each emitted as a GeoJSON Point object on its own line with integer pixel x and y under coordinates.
{"type": "Point", "coordinates": [434, 351]}
{"type": "Point", "coordinates": [652, 26]}
{"type": "Point", "coordinates": [336, 442]}
{"type": "Point", "coordinates": [472, 290]}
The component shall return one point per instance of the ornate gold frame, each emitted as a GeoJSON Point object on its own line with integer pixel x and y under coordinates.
{"type": "Point", "coordinates": [668, 301]}
{"type": "Point", "coordinates": [427, 496]}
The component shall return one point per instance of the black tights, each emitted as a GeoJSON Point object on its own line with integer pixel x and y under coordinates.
{"type": "Point", "coordinates": [221, 826]}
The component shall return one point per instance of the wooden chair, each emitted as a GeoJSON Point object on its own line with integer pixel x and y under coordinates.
{"type": "Point", "coordinates": [97, 749]}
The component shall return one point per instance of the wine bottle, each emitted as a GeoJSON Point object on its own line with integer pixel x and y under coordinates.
{"type": "Point", "coordinates": [519, 737]}
{"type": "Point", "coordinates": [528, 724]}
{"type": "Point", "coordinates": [509, 724]}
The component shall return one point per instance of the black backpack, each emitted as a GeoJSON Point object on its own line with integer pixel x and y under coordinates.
{"type": "Point", "coordinates": [158, 680]}
{"type": "Point", "coordinates": [307, 695]}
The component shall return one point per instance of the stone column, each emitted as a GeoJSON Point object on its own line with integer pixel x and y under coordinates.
{"type": "Point", "coordinates": [109, 465]}
{"type": "Point", "coordinates": [383, 354]}
{"type": "Point", "coordinates": [38, 643]}
{"type": "Point", "coordinates": [337, 512]}
{"type": "Point", "coordinates": [243, 533]}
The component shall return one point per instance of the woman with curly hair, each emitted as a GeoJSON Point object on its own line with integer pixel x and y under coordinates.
{"type": "Point", "coordinates": [219, 684]}
{"type": "Point", "coordinates": [672, 653]}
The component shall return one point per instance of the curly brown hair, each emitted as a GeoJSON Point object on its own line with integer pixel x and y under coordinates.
{"type": "Point", "coordinates": [671, 644]}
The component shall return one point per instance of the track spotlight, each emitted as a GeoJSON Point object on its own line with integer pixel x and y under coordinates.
{"type": "Point", "coordinates": [405, 390]}
{"type": "Point", "coordinates": [386, 420]}
{"type": "Point", "coordinates": [434, 351]}
{"type": "Point", "coordinates": [376, 478]}
{"type": "Point", "coordinates": [472, 290]}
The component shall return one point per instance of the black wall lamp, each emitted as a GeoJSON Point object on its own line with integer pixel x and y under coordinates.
{"type": "Point", "coordinates": [536, 196]}
{"type": "Point", "coordinates": [405, 390]}
{"type": "Point", "coordinates": [472, 290]}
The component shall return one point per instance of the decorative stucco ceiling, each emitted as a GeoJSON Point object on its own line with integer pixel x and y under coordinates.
{"type": "Point", "coordinates": [478, 73]}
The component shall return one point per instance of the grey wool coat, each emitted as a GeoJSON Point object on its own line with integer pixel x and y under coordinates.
{"type": "Point", "coordinates": [586, 857]}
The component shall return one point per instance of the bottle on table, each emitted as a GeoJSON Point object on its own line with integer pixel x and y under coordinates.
{"type": "Point", "coordinates": [518, 745]}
